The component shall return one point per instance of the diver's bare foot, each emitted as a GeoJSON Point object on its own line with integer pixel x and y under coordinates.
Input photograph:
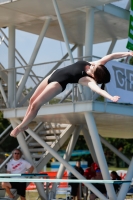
{"type": "Point", "coordinates": [15, 132]}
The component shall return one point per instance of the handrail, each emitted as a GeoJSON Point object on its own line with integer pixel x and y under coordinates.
{"type": "Point", "coordinates": [50, 62]}
{"type": "Point", "coordinates": [18, 55]}
{"type": "Point", "coordinates": [5, 131]}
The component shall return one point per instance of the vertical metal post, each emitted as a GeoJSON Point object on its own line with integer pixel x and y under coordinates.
{"type": "Point", "coordinates": [90, 145]}
{"type": "Point", "coordinates": [111, 46]}
{"type": "Point", "coordinates": [125, 186]}
{"type": "Point", "coordinates": [80, 52]}
{"type": "Point", "coordinates": [65, 38]}
{"type": "Point", "coordinates": [99, 152]}
{"type": "Point", "coordinates": [33, 57]}
{"type": "Point", "coordinates": [89, 34]}
{"type": "Point", "coordinates": [11, 66]}
{"type": "Point", "coordinates": [67, 155]}
{"type": "Point", "coordinates": [28, 157]}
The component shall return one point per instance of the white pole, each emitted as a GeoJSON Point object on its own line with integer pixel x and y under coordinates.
{"type": "Point", "coordinates": [11, 64]}
{"type": "Point", "coordinates": [80, 52]}
{"type": "Point", "coordinates": [89, 37]}
{"type": "Point", "coordinates": [89, 33]}
{"type": "Point", "coordinates": [99, 152]}
{"type": "Point", "coordinates": [90, 145]}
{"type": "Point", "coordinates": [112, 45]}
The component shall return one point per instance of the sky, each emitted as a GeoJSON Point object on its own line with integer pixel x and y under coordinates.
{"type": "Point", "coordinates": [25, 43]}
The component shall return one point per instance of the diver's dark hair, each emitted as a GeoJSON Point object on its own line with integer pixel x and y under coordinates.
{"type": "Point", "coordinates": [102, 75]}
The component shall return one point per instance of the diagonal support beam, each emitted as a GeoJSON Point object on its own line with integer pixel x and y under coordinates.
{"type": "Point", "coordinates": [61, 61]}
{"type": "Point", "coordinates": [112, 148]}
{"type": "Point", "coordinates": [68, 166]}
{"type": "Point", "coordinates": [66, 40]}
{"type": "Point", "coordinates": [89, 144]}
{"type": "Point", "coordinates": [67, 156]}
{"type": "Point", "coordinates": [27, 155]}
{"type": "Point", "coordinates": [112, 45]}
{"type": "Point", "coordinates": [33, 57]}
{"type": "Point", "coordinates": [99, 152]}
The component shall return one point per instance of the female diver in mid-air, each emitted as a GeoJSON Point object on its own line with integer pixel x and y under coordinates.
{"type": "Point", "coordinates": [85, 73]}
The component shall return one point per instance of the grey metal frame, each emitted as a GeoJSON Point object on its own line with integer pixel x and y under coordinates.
{"type": "Point", "coordinates": [93, 140]}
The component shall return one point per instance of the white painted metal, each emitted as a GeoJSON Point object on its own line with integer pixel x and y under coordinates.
{"type": "Point", "coordinates": [90, 145]}
{"type": "Point", "coordinates": [11, 67]}
{"type": "Point", "coordinates": [67, 156]}
{"type": "Point", "coordinates": [28, 157]}
{"type": "Point", "coordinates": [80, 52]}
{"type": "Point", "coordinates": [128, 5]}
{"type": "Point", "coordinates": [61, 61]}
{"type": "Point", "coordinates": [125, 187]}
{"type": "Point", "coordinates": [33, 56]}
{"type": "Point", "coordinates": [18, 55]}
{"type": "Point", "coordinates": [61, 160]}
{"type": "Point", "coordinates": [80, 89]}
{"type": "Point", "coordinates": [112, 45]}
{"type": "Point", "coordinates": [4, 95]}
{"type": "Point", "coordinates": [26, 17]}
{"type": "Point", "coordinates": [112, 120]}
{"type": "Point", "coordinates": [99, 152]}
{"type": "Point", "coordinates": [63, 30]}
{"type": "Point", "coordinates": [66, 41]}
{"type": "Point", "coordinates": [112, 148]}
{"type": "Point", "coordinates": [89, 34]}
{"type": "Point", "coordinates": [36, 180]}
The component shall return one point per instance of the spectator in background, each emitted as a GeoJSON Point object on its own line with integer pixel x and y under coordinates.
{"type": "Point", "coordinates": [115, 176]}
{"type": "Point", "coordinates": [90, 173]}
{"type": "Point", "coordinates": [75, 186]}
{"type": "Point", "coordinates": [17, 166]}
{"type": "Point", "coordinates": [100, 187]}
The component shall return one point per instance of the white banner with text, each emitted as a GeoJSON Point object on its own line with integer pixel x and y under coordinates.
{"type": "Point", "coordinates": [121, 83]}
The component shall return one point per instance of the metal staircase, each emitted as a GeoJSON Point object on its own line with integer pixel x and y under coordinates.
{"type": "Point", "coordinates": [53, 134]}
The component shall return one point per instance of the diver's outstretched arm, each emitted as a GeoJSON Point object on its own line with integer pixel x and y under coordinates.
{"type": "Point", "coordinates": [112, 56]}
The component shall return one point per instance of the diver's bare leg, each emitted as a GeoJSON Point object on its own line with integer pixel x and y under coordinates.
{"type": "Point", "coordinates": [50, 91]}
{"type": "Point", "coordinates": [37, 92]}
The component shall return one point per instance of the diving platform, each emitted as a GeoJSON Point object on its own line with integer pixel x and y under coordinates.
{"type": "Point", "coordinates": [30, 15]}
{"type": "Point", "coordinates": [81, 23]}
{"type": "Point", "coordinates": [113, 120]}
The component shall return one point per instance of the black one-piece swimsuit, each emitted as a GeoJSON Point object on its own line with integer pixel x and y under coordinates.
{"type": "Point", "coordinates": [70, 74]}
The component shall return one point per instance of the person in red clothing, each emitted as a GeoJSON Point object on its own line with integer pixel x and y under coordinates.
{"type": "Point", "coordinates": [90, 173]}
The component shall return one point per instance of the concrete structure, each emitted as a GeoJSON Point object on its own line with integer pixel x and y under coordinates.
{"type": "Point", "coordinates": [82, 23]}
